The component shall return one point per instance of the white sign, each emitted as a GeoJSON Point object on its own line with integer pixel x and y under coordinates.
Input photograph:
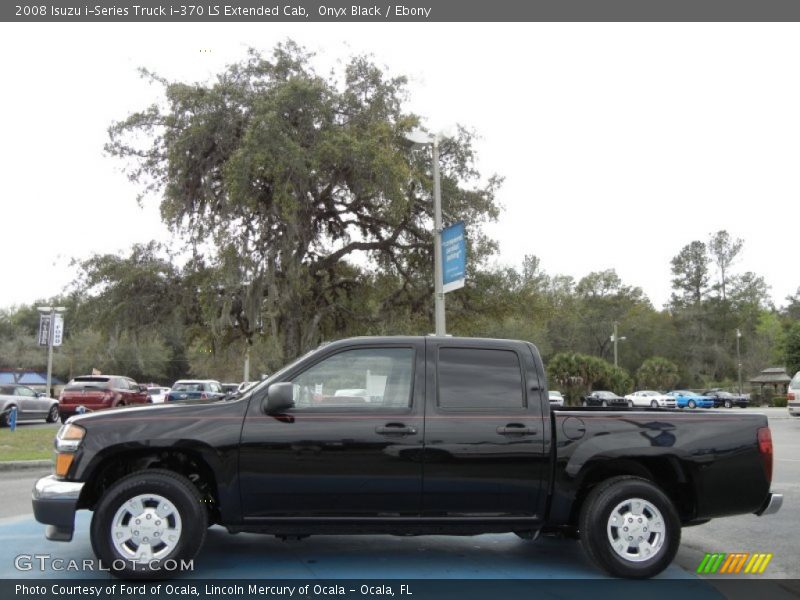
{"type": "Point", "coordinates": [58, 330]}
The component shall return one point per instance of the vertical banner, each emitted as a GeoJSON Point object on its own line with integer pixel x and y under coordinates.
{"type": "Point", "coordinates": [454, 257]}
{"type": "Point", "coordinates": [58, 330]}
{"type": "Point", "coordinates": [44, 329]}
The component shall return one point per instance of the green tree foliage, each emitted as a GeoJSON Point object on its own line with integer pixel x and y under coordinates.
{"type": "Point", "coordinates": [690, 276]}
{"type": "Point", "coordinates": [723, 250]}
{"type": "Point", "coordinates": [288, 177]}
{"type": "Point", "coordinates": [576, 375]}
{"type": "Point", "coordinates": [603, 300]}
{"type": "Point", "coordinates": [709, 308]}
{"type": "Point", "coordinates": [791, 348]}
{"type": "Point", "coordinates": [657, 373]}
{"type": "Point", "coordinates": [792, 309]}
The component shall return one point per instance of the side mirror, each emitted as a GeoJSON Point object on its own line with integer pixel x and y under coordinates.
{"type": "Point", "coordinates": [280, 396]}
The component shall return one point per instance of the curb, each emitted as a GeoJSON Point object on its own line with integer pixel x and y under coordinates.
{"type": "Point", "coordinates": [18, 465]}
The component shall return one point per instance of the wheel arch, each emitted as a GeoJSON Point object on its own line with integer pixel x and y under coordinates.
{"type": "Point", "coordinates": [190, 462]}
{"type": "Point", "coordinates": [667, 472]}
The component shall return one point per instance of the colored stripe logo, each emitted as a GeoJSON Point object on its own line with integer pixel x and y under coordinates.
{"type": "Point", "coordinates": [734, 563]}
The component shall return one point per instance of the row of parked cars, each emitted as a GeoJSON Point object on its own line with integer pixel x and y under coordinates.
{"type": "Point", "coordinates": [97, 392]}
{"type": "Point", "coordinates": [714, 398]}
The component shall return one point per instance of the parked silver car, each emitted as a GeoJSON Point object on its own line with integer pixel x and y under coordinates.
{"type": "Point", "coordinates": [30, 404]}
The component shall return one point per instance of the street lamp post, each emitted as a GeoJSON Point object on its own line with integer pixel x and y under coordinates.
{"type": "Point", "coordinates": [420, 137]}
{"type": "Point", "coordinates": [615, 338]}
{"type": "Point", "coordinates": [739, 359]}
{"type": "Point", "coordinates": [52, 311]}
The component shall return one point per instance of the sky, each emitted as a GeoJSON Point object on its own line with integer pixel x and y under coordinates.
{"type": "Point", "coordinates": [619, 143]}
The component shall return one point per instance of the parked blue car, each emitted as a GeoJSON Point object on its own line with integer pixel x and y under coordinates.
{"type": "Point", "coordinates": [687, 399]}
{"type": "Point", "coordinates": [195, 389]}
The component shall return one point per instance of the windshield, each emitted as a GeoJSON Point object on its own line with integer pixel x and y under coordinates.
{"type": "Point", "coordinates": [276, 376]}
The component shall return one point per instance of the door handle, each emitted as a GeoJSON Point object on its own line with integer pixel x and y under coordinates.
{"type": "Point", "coordinates": [516, 429]}
{"type": "Point", "coordinates": [395, 429]}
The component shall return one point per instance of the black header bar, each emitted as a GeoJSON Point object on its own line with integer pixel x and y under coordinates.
{"type": "Point", "coordinates": [394, 11]}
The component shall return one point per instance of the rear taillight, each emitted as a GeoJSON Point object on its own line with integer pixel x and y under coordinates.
{"type": "Point", "coordinates": [765, 447]}
{"type": "Point", "coordinates": [790, 396]}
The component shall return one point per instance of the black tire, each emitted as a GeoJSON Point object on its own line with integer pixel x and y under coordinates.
{"type": "Point", "coordinates": [64, 418]}
{"type": "Point", "coordinates": [691, 404]}
{"type": "Point", "coordinates": [653, 404]}
{"type": "Point", "coordinates": [4, 419]}
{"type": "Point", "coordinates": [52, 415]}
{"type": "Point", "coordinates": [595, 527]}
{"type": "Point", "coordinates": [728, 404]}
{"type": "Point", "coordinates": [188, 504]}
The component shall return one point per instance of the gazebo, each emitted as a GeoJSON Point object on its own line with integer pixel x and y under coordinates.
{"type": "Point", "coordinates": [777, 377]}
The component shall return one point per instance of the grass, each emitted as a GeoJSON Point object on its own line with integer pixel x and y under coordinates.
{"type": "Point", "coordinates": [26, 443]}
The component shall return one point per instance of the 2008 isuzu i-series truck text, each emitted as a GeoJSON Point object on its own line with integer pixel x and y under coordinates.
{"type": "Point", "coordinates": [404, 435]}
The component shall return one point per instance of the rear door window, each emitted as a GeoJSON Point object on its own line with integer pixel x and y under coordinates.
{"type": "Point", "coordinates": [479, 379]}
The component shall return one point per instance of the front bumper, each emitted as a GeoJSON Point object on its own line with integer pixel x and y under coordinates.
{"type": "Point", "coordinates": [54, 504]}
{"type": "Point", "coordinates": [771, 505]}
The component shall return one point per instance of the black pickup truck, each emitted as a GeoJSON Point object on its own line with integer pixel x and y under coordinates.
{"type": "Point", "coordinates": [409, 436]}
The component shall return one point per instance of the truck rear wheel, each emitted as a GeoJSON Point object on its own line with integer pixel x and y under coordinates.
{"type": "Point", "coordinates": [629, 528]}
{"type": "Point", "coordinates": [147, 523]}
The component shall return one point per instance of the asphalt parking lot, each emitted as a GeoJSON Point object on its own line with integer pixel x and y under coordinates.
{"type": "Point", "coordinates": [244, 555]}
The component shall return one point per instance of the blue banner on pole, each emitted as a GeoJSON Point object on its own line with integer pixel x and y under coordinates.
{"type": "Point", "coordinates": [454, 257]}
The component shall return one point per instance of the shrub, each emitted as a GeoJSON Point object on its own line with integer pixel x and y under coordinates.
{"type": "Point", "coordinates": [779, 401]}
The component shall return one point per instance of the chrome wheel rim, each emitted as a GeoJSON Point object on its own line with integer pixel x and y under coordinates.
{"type": "Point", "coordinates": [53, 413]}
{"type": "Point", "coordinates": [145, 528]}
{"type": "Point", "coordinates": [636, 530]}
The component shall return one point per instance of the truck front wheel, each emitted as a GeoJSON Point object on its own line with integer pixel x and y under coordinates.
{"type": "Point", "coordinates": [149, 524]}
{"type": "Point", "coordinates": [629, 527]}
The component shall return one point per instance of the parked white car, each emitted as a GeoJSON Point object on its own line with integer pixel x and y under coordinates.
{"type": "Point", "coordinates": [158, 394]}
{"type": "Point", "coordinates": [650, 398]}
{"type": "Point", "coordinates": [793, 395]}
{"type": "Point", "coordinates": [556, 399]}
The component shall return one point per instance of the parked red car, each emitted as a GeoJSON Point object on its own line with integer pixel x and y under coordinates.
{"type": "Point", "coordinates": [96, 392]}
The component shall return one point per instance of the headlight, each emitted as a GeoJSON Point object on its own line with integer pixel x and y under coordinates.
{"type": "Point", "coordinates": [68, 440]}
{"type": "Point", "coordinates": [69, 437]}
